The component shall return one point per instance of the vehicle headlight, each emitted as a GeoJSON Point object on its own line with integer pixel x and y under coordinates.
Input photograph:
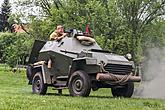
{"type": "Point", "coordinates": [129, 56]}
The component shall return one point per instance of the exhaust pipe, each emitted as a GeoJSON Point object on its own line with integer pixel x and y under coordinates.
{"type": "Point", "coordinates": [112, 77]}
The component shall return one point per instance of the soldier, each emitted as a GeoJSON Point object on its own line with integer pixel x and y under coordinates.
{"type": "Point", "coordinates": [58, 34]}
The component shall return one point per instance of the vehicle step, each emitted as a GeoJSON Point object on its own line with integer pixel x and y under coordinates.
{"type": "Point", "coordinates": [58, 88]}
{"type": "Point", "coordinates": [62, 78]}
{"type": "Point", "coordinates": [60, 84]}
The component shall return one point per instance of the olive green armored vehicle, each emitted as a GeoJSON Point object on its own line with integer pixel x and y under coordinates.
{"type": "Point", "coordinates": [78, 63]}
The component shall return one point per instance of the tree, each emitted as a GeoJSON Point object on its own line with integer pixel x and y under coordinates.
{"type": "Point", "coordinates": [1, 27]}
{"type": "Point", "coordinates": [14, 48]}
{"type": "Point", "coordinates": [120, 24]}
{"type": "Point", "coordinates": [153, 35]}
{"type": "Point", "coordinates": [137, 15]}
{"type": "Point", "coordinates": [5, 13]}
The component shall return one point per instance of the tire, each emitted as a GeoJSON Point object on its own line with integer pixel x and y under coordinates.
{"type": "Point", "coordinates": [38, 86]}
{"type": "Point", "coordinates": [126, 91]}
{"type": "Point", "coordinates": [79, 84]}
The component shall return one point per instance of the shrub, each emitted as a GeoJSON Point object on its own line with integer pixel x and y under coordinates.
{"type": "Point", "coordinates": [14, 47]}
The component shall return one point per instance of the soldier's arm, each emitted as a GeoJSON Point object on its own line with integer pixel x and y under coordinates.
{"type": "Point", "coordinates": [63, 35]}
{"type": "Point", "coordinates": [54, 36]}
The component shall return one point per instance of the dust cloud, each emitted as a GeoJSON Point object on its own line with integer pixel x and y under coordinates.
{"type": "Point", "coordinates": [153, 84]}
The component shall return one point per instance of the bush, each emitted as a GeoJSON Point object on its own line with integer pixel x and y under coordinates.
{"type": "Point", "coordinates": [14, 47]}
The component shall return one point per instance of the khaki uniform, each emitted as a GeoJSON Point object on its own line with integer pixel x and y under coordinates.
{"type": "Point", "coordinates": [54, 36]}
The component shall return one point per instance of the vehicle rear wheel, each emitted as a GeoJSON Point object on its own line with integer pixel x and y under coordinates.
{"type": "Point", "coordinates": [126, 91]}
{"type": "Point", "coordinates": [79, 84]}
{"type": "Point", "coordinates": [38, 86]}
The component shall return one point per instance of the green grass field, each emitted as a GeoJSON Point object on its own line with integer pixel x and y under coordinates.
{"type": "Point", "coordinates": [15, 94]}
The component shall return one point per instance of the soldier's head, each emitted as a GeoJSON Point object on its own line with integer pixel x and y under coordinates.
{"type": "Point", "coordinates": [60, 29]}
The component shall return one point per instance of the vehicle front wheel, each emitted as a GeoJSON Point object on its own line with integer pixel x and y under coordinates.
{"type": "Point", "coordinates": [79, 84]}
{"type": "Point", "coordinates": [125, 91]}
{"type": "Point", "coordinates": [38, 86]}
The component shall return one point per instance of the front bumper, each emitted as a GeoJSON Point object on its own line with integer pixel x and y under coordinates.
{"type": "Point", "coordinates": [117, 78]}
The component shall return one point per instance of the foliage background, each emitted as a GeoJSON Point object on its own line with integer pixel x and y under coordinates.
{"type": "Point", "coordinates": [121, 26]}
{"type": "Point", "coordinates": [15, 47]}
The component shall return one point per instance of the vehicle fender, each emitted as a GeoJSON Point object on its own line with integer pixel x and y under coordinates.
{"type": "Point", "coordinates": [89, 65]}
{"type": "Point", "coordinates": [44, 71]}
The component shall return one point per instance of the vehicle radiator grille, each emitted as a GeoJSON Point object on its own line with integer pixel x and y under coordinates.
{"type": "Point", "coordinates": [118, 69]}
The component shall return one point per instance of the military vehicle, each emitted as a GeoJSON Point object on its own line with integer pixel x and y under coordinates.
{"type": "Point", "coordinates": [78, 63]}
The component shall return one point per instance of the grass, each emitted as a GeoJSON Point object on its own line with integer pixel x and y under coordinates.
{"type": "Point", "coordinates": [15, 94]}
